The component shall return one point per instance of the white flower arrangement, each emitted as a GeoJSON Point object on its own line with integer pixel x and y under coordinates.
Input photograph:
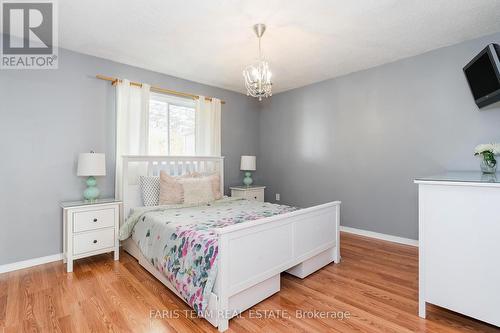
{"type": "Point", "coordinates": [488, 152]}
{"type": "Point", "coordinates": [493, 148]}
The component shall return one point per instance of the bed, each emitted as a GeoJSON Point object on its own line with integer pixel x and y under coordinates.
{"type": "Point", "coordinates": [297, 241]}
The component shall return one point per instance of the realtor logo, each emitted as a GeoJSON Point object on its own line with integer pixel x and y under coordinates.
{"type": "Point", "coordinates": [29, 35]}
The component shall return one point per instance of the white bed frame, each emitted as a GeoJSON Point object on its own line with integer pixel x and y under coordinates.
{"type": "Point", "coordinates": [252, 254]}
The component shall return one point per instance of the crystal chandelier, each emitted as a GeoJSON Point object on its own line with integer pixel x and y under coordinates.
{"type": "Point", "coordinates": [258, 76]}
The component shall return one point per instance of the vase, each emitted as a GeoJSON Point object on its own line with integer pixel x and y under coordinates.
{"type": "Point", "coordinates": [488, 166]}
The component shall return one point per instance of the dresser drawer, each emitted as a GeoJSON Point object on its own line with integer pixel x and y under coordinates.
{"type": "Point", "coordinates": [94, 219]}
{"type": "Point", "coordinates": [93, 240]}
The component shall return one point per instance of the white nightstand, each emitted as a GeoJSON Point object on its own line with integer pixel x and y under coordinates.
{"type": "Point", "coordinates": [248, 192]}
{"type": "Point", "coordinates": [90, 228]}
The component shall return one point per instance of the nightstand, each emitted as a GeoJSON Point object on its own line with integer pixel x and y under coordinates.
{"type": "Point", "coordinates": [90, 228]}
{"type": "Point", "coordinates": [248, 192]}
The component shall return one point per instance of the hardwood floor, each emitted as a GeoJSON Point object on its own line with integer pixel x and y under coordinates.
{"type": "Point", "coordinates": [376, 283]}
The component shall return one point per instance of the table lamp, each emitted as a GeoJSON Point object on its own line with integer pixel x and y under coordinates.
{"type": "Point", "coordinates": [91, 165]}
{"type": "Point", "coordinates": [248, 164]}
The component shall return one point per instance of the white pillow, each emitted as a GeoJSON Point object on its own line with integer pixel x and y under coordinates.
{"type": "Point", "coordinates": [150, 190]}
{"type": "Point", "coordinates": [197, 190]}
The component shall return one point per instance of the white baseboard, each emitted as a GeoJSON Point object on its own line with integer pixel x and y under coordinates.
{"type": "Point", "coordinates": [30, 263]}
{"type": "Point", "coordinates": [372, 234]}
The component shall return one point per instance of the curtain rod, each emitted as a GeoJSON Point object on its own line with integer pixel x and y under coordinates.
{"type": "Point", "coordinates": [114, 80]}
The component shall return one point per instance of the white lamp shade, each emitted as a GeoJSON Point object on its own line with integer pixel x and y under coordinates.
{"type": "Point", "coordinates": [248, 163]}
{"type": "Point", "coordinates": [91, 164]}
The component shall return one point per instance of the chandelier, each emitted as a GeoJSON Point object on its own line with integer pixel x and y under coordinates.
{"type": "Point", "coordinates": [258, 76]}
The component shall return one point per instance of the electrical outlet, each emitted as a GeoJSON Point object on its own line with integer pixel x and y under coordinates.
{"type": "Point", "coordinates": [278, 197]}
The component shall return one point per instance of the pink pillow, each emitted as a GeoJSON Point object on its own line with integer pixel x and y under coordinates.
{"type": "Point", "coordinates": [215, 179]}
{"type": "Point", "coordinates": [171, 191]}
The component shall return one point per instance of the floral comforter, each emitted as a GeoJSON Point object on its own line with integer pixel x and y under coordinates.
{"type": "Point", "coordinates": [181, 243]}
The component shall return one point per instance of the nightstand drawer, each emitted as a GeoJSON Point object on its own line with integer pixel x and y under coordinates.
{"type": "Point", "coordinates": [257, 195]}
{"type": "Point", "coordinates": [254, 193]}
{"type": "Point", "coordinates": [93, 240]}
{"type": "Point", "coordinates": [94, 219]}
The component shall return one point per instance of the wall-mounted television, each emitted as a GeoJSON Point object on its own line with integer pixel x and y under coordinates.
{"type": "Point", "coordinates": [483, 75]}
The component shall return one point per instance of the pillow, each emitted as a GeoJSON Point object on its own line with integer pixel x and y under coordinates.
{"type": "Point", "coordinates": [150, 190]}
{"type": "Point", "coordinates": [197, 190]}
{"type": "Point", "coordinates": [171, 191]}
{"type": "Point", "coordinates": [215, 180]}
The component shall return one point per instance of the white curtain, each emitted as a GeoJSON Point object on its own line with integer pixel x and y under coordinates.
{"type": "Point", "coordinates": [132, 125]}
{"type": "Point", "coordinates": [208, 127]}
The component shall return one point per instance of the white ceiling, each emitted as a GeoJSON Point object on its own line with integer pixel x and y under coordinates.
{"type": "Point", "coordinates": [306, 41]}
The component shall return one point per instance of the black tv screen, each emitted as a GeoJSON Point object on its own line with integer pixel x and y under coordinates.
{"type": "Point", "coordinates": [483, 75]}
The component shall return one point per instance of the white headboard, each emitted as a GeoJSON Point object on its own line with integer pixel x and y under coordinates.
{"type": "Point", "coordinates": [135, 166]}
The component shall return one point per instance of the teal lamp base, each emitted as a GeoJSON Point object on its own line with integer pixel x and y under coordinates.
{"type": "Point", "coordinates": [92, 192]}
{"type": "Point", "coordinates": [248, 179]}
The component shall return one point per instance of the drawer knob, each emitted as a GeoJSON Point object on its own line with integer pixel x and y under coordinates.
{"type": "Point", "coordinates": [255, 198]}
{"type": "Point", "coordinates": [95, 220]}
{"type": "Point", "coordinates": [95, 241]}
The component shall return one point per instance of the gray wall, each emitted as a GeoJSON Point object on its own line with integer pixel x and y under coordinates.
{"type": "Point", "coordinates": [363, 138]}
{"type": "Point", "coordinates": [47, 117]}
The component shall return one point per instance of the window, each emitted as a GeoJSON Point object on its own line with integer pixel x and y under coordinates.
{"type": "Point", "coordinates": [171, 125]}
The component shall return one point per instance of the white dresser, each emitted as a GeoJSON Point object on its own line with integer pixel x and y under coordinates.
{"type": "Point", "coordinates": [459, 244]}
{"type": "Point", "coordinates": [90, 228]}
{"type": "Point", "coordinates": [254, 192]}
